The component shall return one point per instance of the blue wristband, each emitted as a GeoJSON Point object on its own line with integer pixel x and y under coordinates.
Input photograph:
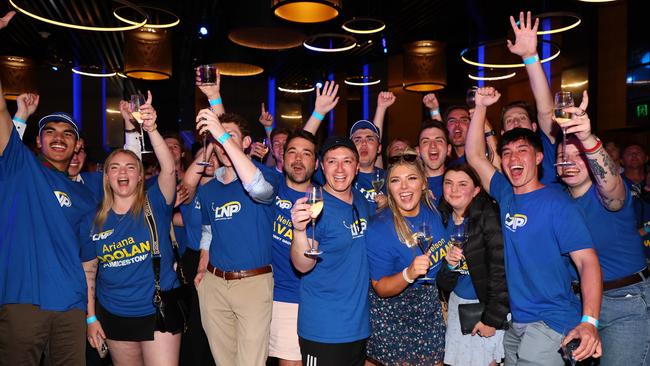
{"type": "Point", "coordinates": [214, 102]}
{"type": "Point", "coordinates": [91, 320]}
{"type": "Point", "coordinates": [589, 319]}
{"type": "Point", "coordinates": [435, 112]}
{"type": "Point", "coordinates": [19, 120]}
{"type": "Point", "coordinates": [268, 129]}
{"type": "Point", "coordinates": [451, 267]}
{"type": "Point", "coordinates": [531, 60]}
{"type": "Point", "coordinates": [318, 116]}
{"type": "Point", "coordinates": [223, 138]}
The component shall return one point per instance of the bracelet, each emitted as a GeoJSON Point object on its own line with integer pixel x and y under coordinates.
{"type": "Point", "coordinates": [490, 133]}
{"type": "Point", "coordinates": [91, 319]}
{"type": "Point", "coordinates": [154, 127]}
{"type": "Point", "coordinates": [434, 112]}
{"type": "Point", "coordinates": [589, 319]}
{"type": "Point", "coordinates": [130, 131]}
{"type": "Point", "coordinates": [596, 147]}
{"type": "Point", "coordinates": [223, 138]}
{"type": "Point", "coordinates": [268, 129]}
{"type": "Point", "coordinates": [214, 102]}
{"type": "Point", "coordinates": [531, 59]}
{"type": "Point", "coordinates": [451, 267]}
{"type": "Point", "coordinates": [318, 116]}
{"type": "Point", "coordinates": [405, 276]}
{"type": "Point", "coordinates": [19, 120]}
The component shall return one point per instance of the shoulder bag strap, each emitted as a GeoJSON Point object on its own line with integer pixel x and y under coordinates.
{"type": "Point", "coordinates": [155, 249]}
{"type": "Point", "coordinates": [177, 256]}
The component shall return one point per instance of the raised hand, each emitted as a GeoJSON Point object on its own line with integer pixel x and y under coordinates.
{"type": "Point", "coordinates": [4, 21]}
{"type": "Point", "coordinates": [385, 99]}
{"type": "Point", "coordinates": [486, 96]}
{"type": "Point", "coordinates": [580, 124]}
{"type": "Point", "coordinates": [210, 91]}
{"type": "Point", "coordinates": [258, 150]}
{"type": "Point", "coordinates": [27, 104]}
{"type": "Point", "coordinates": [430, 101]}
{"type": "Point", "coordinates": [300, 214]}
{"type": "Point", "coordinates": [525, 36]}
{"type": "Point", "coordinates": [148, 114]}
{"type": "Point", "coordinates": [207, 120]}
{"type": "Point", "coordinates": [326, 99]}
{"type": "Point", "coordinates": [266, 119]}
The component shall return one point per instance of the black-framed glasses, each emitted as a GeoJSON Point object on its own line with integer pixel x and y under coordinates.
{"type": "Point", "coordinates": [409, 158]}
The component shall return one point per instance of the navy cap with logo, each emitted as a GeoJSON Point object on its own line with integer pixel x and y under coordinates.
{"type": "Point", "coordinates": [364, 124]}
{"type": "Point", "coordinates": [58, 117]}
{"type": "Point", "coordinates": [338, 141]}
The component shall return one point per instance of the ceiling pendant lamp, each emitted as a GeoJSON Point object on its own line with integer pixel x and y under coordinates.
{"type": "Point", "coordinates": [424, 66]}
{"type": "Point", "coordinates": [307, 11]}
{"type": "Point", "coordinates": [148, 54]}
{"type": "Point", "coordinates": [18, 76]}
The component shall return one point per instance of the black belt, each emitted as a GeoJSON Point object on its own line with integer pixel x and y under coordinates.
{"type": "Point", "coordinates": [637, 277]}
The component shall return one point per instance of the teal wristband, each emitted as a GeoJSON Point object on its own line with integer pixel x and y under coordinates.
{"type": "Point", "coordinates": [214, 102]}
{"type": "Point", "coordinates": [268, 129]}
{"type": "Point", "coordinates": [591, 320]}
{"type": "Point", "coordinates": [19, 120]}
{"type": "Point", "coordinates": [435, 112]}
{"type": "Point", "coordinates": [318, 116]}
{"type": "Point", "coordinates": [223, 138]}
{"type": "Point", "coordinates": [451, 267]}
{"type": "Point", "coordinates": [646, 227]}
{"type": "Point", "coordinates": [91, 320]}
{"type": "Point", "coordinates": [531, 60]}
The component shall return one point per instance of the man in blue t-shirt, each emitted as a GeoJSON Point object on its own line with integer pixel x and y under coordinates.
{"type": "Point", "coordinates": [367, 140]}
{"type": "Point", "coordinates": [333, 317]}
{"type": "Point", "coordinates": [42, 285]}
{"type": "Point", "coordinates": [235, 280]}
{"type": "Point", "coordinates": [434, 147]}
{"type": "Point", "coordinates": [543, 233]}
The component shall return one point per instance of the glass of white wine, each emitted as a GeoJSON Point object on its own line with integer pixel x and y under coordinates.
{"type": "Point", "coordinates": [563, 100]}
{"type": "Point", "coordinates": [315, 199]}
{"type": "Point", "coordinates": [377, 181]}
{"type": "Point", "coordinates": [458, 238]}
{"type": "Point", "coordinates": [137, 101]}
{"type": "Point", "coordinates": [424, 239]}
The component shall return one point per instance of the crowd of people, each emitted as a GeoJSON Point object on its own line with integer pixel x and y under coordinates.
{"type": "Point", "coordinates": [462, 249]}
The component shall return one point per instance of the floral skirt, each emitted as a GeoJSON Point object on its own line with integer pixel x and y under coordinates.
{"type": "Point", "coordinates": [407, 329]}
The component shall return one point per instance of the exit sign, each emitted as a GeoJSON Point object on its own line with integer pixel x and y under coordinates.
{"type": "Point", "coordinates": [642, 110]}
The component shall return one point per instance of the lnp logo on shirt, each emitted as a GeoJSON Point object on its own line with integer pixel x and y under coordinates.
{"type": "Point", "coordinates": [283, 204]}
{"type": "Point", "coordinates": [226, 211]}
{"type": "Point", "coordinates": [515, 221]}
{"type": "Point", "coordinates": [197, 204]}
{"type": "Point", "coordinates": [357, 228]}
{"type": "Point", "coordinates": [369, 194]}
{"type": "Point", "coordinates": [103, 235]}
{"type": "Point", "coordinates": [63, 198]}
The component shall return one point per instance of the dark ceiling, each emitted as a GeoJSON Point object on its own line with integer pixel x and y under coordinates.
{"type": "Point", "coordinates": [459, 23]}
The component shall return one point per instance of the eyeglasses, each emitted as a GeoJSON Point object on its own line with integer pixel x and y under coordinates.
{"type": "Point", "coordinates": [409, 158]}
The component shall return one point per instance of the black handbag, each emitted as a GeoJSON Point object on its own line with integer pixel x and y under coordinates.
{"type": "Point", "coordinates": [469, 315]}
{"type": "Point", "coordinates": [172, 306]}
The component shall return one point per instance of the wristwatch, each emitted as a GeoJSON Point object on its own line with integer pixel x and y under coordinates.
{"type": "Point", "coordinates": [490, 133]}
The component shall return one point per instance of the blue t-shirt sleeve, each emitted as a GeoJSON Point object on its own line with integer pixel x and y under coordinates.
{"type": "Point", "coordinates": [380, 258]}
{"type": "Point", "coordinates": [500, 188]}
{"type": "Point", "coordinates": [159, 205]}
{"type": "Point", "coordinates": [318, 176]}
{"type": "Point", "coordinates": [570, 228]}
{"type": "Point", "coordinates": [88, 251]}
{"type": "Point", "coordinates": [14, 155]}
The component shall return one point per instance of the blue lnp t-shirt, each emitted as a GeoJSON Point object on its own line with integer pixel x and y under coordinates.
{"type": "Point", "coordinates": [616, 237]}
{"type": "Point", "coordinates": [241, 227]}
{"type": "Point", "coordinates": [125, 279]}
{"type": "Point", "coordinates": [334, 294]}
{"type": "Point", "coordinates": [95, 182]}
{"type": "Point", "coordinates": [41, 210]}
{"type": "Point", "coordinates": [387, 255]}
{"type": "Point", "coordinates": [464, 286]}
{"type": "Point", "coordinates": [548, 176]}
{"type": "Point", "coordinates": [192, 218]}
{"type": "Point", "coordinates": [363, 184]}
{"type": "Point", "coordinates": [458, 161]}
{"type": "Point", "coordinates": [435, 186]}
{"type": "Point", "coordinates": [540, 229]}
{"type": "Point", "coordinates": [286, 278]}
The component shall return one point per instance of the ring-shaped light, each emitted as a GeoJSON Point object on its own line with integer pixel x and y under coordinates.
{"type": "Point", "coordinates": [577, 22]}
{"type": "Point", "coordinates": [493, 77]}
{"type": "Point", "coordinates": [505, 66]}
{"type": "Point", "coordinates": [349, 26]}
{"type": "Point", "coordinates": [345, 38]}
{"type": "Point", "coordinates": [291, 116]}
{"type": "Point", "coordinates": [149, 25]}
{"type": "Point", "coordinates": [361, 81]}
{"type": "Point", "coordinates": [77, 70]}
{"type": "Point", "coordinates": [296, 90]}
{"type": "Point", "coordinates": [576, 84]}
{"type": "Point", "coordinates": [84, 27]}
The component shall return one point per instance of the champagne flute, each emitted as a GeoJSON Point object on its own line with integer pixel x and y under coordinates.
{"type": "Point", "coordinates": [563, 100]}
{"type": "Point", "coordinates": [378, 181]}
{"type": "Point", "coordinates": [204, 137]}
{"type": "Point", "coordinates": [424, 239]}
{"type": "Point", "coordinates": [458, 238]}
{"type": "Point", "coordinates": [137, 101]}
{"type": "Point", "coordinates": [315, 199]}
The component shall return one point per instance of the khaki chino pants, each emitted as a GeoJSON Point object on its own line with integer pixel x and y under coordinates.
{"type": "Point", "coordinates": [236, 316]}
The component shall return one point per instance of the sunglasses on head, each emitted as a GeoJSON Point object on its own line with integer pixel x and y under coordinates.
{"type": "Point", "coordinates": [409, 158]}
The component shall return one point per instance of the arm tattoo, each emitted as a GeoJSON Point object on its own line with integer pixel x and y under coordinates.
{"type": "Point", "coordinates": [597, 170]}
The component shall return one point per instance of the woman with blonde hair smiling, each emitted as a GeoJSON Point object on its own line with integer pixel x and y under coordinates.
{"type": "Point", "coordinates": [120, 251]}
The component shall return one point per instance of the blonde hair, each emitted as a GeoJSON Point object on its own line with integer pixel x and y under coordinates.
{"type": "Point", "coordinates": [402, 227]}
{"type": "Point", "coordinates": [107, 202]}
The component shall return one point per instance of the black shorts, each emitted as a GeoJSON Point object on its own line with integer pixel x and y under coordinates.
{"type": "Point", "coordinates": [333, 354]}
{"type": "Point", "coordinates": [120, 328]}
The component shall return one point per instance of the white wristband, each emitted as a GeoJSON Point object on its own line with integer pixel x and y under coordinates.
{"type": "Point", "coordinates": [406, 277]}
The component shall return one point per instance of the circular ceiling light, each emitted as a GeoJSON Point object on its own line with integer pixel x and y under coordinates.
{"type": "Point", "coordinates": [238, 69]}
{"type": "Point", "coordinates": [491, 76]}
{"type": "Point", "coordinates": [361, 80]}
{"type": "Point", "coordinates": [296, 89]}
{"type": "Point", "coordinates": [364, 25]}
{"type": "Point", "coordinates": [267, 38]}
{"type": "Point", "coordinates": [89, 28]}
{"type": "Point", "coordinates": [560, 14]}
{"type": "Point", "coordinates": [330, 42]}
{"type": "Point", "coordinates": [501, 43]}
{"type": "Point", "coordinates": [173, 16]}
{"type": "Point", "coordinates": [576, 84]}
{"type": "Point", "coordinates": [93, 71]}
{"type": "Point", "coordinates": [291, 116]}
{"type": "Point", "coordinates": [307, 11]}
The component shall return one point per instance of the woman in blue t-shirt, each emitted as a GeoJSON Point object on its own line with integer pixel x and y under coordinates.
{"type": "Point", "coordinates": [118, 256]}
{"type": "Point", "coordinates": [481, 278]}
{"type": "Point", "coordinates": [406, 318]}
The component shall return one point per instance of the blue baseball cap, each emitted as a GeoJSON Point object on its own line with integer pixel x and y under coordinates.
{"type": "Point", "coordinates": [333, 142]}
{"type": "Point", "coordinates": [58, 117]}
{"type": "Point", "coordinates": [364, 124]}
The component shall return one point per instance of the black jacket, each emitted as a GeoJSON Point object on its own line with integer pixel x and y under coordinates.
{"type": "Point", "coordinates": [484, 255]}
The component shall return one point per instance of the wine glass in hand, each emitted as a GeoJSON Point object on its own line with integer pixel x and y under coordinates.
{"type": "Point", "coordinates": [458, 238]}
{"type": "Point", "coordinates": [424, 239]}
{"type": "Point", "coordinates": [138, 100]}
{"type": "Point", "coordinates": [377, 181]}
{"type": "Point", "coordinates": [315, 199]}
{"type": "Point", "coordinates": [563, 100]}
